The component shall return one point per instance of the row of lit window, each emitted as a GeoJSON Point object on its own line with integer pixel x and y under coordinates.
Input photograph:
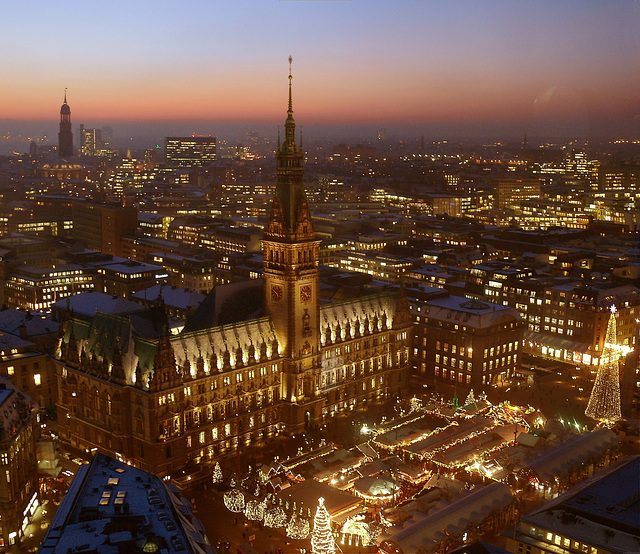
{"type": "Point", "coordinates": [452, 375]}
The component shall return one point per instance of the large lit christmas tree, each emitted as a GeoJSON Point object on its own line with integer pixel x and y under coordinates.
{"type": "Point", "coordinates": [322, 541]}
{"type": "Point", "coordinates": [604, 402]}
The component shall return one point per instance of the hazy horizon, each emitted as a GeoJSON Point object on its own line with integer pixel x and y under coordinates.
{"type": "Point", "coordinates": [441, 69]}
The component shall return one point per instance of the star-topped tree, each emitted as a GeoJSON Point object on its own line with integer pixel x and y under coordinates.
{"type": "Point", "coordinates": [322, 541]}
{"type": "Point", "coordinates": [470, 398]}
{"type": "Point", "coordinates": [604, 402]}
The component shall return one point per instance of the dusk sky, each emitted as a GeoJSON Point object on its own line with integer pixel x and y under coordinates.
{"type": "Point", "coordinates": [515, 65]}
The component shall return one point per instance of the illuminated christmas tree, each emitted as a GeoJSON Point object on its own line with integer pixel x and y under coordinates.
{"type": "Point", "coordinates": [604, 402]}
{"type": "Point", "coordinates": [470, 398]}
{"type": "Point", "coordinates": [216, 474]}
{"type": "Point", "coordinates": [322, 541]}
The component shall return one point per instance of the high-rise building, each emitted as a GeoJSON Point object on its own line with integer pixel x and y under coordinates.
{"type": "Point", "coordinates": [65, 136]}
{"type": "Point", "coordinates": [90, 141]}
{"type": "Point", "coordinates": [193, 151]}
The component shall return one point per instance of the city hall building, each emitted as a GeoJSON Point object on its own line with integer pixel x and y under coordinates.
{"type": "Point", "coordinates": [130, 389]}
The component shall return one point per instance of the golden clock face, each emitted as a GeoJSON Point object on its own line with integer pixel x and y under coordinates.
{"type": "Point", "coordinates": [305, 293]}
{"type": "Point", "coordinates": [276, 293]}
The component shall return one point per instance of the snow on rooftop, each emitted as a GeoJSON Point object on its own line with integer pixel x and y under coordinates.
{"type": "Point", "coordinates": [87, 303]}
{"type": "Point", "coordinates": [113, 507]}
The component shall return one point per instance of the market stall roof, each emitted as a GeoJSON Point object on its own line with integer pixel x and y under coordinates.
{"type": "Point", "coordinates": [376, 487]}
{"type": "Point", "coordinates": [426, 531]}
{"type": "Point", "coordinates": [573, 451]}
{"type": "Point", "coordinates": [338, 503]}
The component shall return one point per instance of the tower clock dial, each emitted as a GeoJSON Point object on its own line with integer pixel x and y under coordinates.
{"type": "Point", "coordinates": [276, 293]}
{"type": "Point", "coordinates": [305, 293]}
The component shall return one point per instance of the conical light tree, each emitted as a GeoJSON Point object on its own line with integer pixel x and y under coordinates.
{"type": "Point", "coordinates": [322, 541]}
{"type": "Point", "coordinates": [216, 474]}
{"type": "Point", "coordinates": [604, 402]}
{"type": "Point", "coordinates": [470, 398]}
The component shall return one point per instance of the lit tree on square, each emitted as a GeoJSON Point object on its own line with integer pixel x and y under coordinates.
{"type": "Point", "coordinates": [216, 474]}
{"type": "Point", "coordinates": [322, 541]}
{"type": "Point", "coordinates": [470, 398]}
{"type": "Point", "coordinates": [604, 402]}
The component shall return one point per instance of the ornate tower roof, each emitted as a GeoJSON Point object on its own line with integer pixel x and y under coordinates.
{"type": "Point", "coordinates": [290, 218]}
{"type": "Point", "coordinates": [65, 109]}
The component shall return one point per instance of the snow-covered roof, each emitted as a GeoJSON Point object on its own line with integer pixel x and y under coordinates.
{"type": "Point", "coordinates": [602, 512]}
{"type": "Point", "coordinates": [172, 296]}
{"type": "Point", "coordinates": [88, 303]}
{"type": "Point", "coordinates": [572, 452]}
{"type": "Point", "coordinates": [472, 313]}
{"type": "Point", "coordinates": [238, 342]}
{"type": "Point", "coordinates": [112, 507]}
{"type": "Point", "coordinates": [426, 531]}
{"type": "Point", "coordinates": [12, 320]}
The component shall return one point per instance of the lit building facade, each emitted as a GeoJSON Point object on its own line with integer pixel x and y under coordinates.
{"type": "Point", "coordinates": [90, 141]}
{"type": "Point", "coordinates": [161, 402]}
{"type": "Point", "coordinates": [465, 342]}
{"type": "Point", "coordinates": [28, 368]}
{"type": "Point", "coordinates": [510, 192]}
{"type": "Point", "coordinates": [18, 463]}
{"type": "Point", "coordinates": [194, 151]}
{"type": "Point", "coordinates": [37, 288]}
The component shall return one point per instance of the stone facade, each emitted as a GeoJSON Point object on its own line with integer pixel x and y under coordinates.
{"type": "Point", "coordinates": [161, 402]}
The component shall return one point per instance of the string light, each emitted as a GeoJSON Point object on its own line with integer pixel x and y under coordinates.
{"type": "Point", "coordinates": [298, 528]}
{"type": "Point", "coordinates": [234, 501]}
{"type": "Point", "coordinates": [604, 402]}
{"type": "Point", "coordinates": [216, 474]}
{"type": "Point", "coordinates": [322, 541]}
{"type": "Point", "coordinates": [275, 517]}
{"type": "Point", "coordinates": [357, 526]}
{"type": "Point", "coordinates": [255, 510]}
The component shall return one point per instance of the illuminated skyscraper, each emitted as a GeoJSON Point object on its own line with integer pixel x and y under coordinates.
{"type": "Point", "coordinates": [194, 151]}
{"type": "Point", "coordinates": [65, 136]}
{"type": "Point", "coordinates": [90, 141]}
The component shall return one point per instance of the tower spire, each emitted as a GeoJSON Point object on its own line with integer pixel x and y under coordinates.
{"type": "Point", "coordinates": [290, 110]}
{"type": "Point", "coordinates": [65, 95]}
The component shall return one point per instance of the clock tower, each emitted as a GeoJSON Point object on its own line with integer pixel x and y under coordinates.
{"type": "Point", "coordinates": [291, 261]}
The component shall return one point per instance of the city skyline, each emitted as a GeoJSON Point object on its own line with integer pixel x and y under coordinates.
{"type": "Point", "coordinates": [492, 67]}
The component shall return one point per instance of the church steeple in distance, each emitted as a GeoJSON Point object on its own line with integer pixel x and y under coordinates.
{"type": "Point", "coordinates": [65, 136]}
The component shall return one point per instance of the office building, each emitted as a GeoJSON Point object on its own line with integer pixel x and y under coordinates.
{"type": "Point", "coordinates": [101, 226]}
{"type": "Point", "coordinates": [193, 151]}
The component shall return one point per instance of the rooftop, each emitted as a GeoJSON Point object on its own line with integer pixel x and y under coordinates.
{"type": "Point", "coordinates": [112, 507]}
